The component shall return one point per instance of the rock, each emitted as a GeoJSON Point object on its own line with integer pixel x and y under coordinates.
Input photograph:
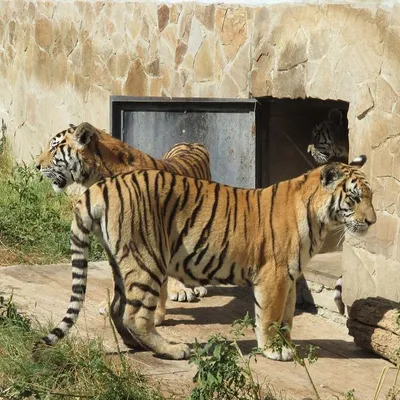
{"type": "Point", "coordinates": [163, 17]}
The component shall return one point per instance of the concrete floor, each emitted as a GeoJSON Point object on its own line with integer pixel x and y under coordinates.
{"type": "Point", "coordinates": [44, 291]}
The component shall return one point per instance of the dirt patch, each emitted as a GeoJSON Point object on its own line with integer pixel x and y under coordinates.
{"type": "Point", "coordinates": [10, 256]}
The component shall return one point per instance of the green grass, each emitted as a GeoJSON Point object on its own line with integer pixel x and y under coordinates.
{"type": "Point", "coordinates": [34, 221]}
{"type": "Point", "coordinates": [73, 369]}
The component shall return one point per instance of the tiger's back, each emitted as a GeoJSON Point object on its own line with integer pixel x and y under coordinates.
{"type": "Point", "coordinates": [185, 213]}
{"type": "Point", "coordinates": [187, 159]}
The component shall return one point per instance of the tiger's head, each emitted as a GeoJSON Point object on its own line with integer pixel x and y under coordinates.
{"type": "Point", "coordinates": [62, 160]}
{"type": "Point", "coordinates": [326, 139]}
{"type": "Point", "coordinates": [350, 196]}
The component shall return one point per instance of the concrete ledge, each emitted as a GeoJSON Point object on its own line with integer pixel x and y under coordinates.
{"type": "Point", "coordinates": [315, 291]}
{"type": "Point", "coordinates": [325, 269]}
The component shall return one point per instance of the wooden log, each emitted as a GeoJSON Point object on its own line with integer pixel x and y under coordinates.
{"type": "Point", "coordinates": [374, 324]}
{"type": "Point", "coordinates": [376, 311]}
{"type": "Point", "coordinates": [378, 340]}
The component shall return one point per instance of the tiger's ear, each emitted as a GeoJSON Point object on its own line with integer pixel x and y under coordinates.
{"type": "Point", "coordinates": [335, 115]}
{"type": "Point", "coordinates": [83, 134]}
{"type": "Point", "coordinates": [359, 161]}
{"type": "Point", "coordinates": [330, 173]}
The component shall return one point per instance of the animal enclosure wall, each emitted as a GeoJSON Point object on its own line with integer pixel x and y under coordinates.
{"type": "Point", "coordinates": [60, 62]}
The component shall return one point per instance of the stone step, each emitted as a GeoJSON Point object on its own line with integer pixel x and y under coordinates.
{"type": "Point", "coordinates": [315, 292]}
{"type": "Point", "coordinates": [325, 269]}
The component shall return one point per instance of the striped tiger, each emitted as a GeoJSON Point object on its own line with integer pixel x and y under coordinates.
{"type": "Point", "coordinates": [154, 224]}
{"type": "Point", "coordinates": [84, 155]}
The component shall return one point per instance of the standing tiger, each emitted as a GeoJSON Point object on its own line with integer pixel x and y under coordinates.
{"type": "Point", "coordinates": [153, 224]}
{"type": "Point", "coordinates": [85, 155]}
{"type": "Point", "coordinates": [329, 139]}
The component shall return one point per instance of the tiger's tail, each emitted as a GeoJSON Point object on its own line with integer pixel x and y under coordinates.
{"type": "Point", "coordinates": [81, 227]}
{"type": "Point", "coordinates": [337, 296]}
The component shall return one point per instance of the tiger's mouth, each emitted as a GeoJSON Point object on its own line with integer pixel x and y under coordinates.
{"type": "Point", "coordinates": [357, 229]}
{"type": "Point", "coordinates": [59, 181]}
{"type": "Point", "coordinates": [318, 156]}
{"type": "Point", "coordinates": [60, 184]}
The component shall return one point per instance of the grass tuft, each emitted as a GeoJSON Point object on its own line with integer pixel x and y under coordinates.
{"type": "Point", "coordinates": [73, 369]}
{"type": "Point", "coordinates": [34, 221]}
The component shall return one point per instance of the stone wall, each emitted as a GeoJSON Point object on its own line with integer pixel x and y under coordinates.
{"type": "Point", "coordinates": [60, 62]}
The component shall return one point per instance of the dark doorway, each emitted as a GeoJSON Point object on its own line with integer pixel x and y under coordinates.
{"type": "Point", "coordinates": [253, 142]}
{"type": "Point", "coordinates": [284, 129]}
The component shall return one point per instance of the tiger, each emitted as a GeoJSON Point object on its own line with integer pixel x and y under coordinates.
{"type": "Point", "coordinates": [154, 223]}
{"type": "Point", "coordinates": [329, 139]}
{"type": "Point", "coordinates": [84, 155]}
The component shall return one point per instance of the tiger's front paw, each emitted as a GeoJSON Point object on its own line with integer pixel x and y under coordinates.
{"type": "Point", "coordinates": [177, 291]}
{"type": "Point", "coordinates": [285, 355]}
{"type": "Point", "coordinates": [186, 294]}
{"type": "Point", "coordinates": [182, 295]}
{"type": "Point", "coordinates": [178, 351]}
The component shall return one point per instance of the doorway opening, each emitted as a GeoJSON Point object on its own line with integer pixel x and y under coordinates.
{"type": "Point", "coordinates": [284, 132]}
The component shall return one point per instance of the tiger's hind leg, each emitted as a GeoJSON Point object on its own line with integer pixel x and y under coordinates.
{"type": "Point", "coordinates": [289, 311]}
{"type": "Point", "coordinates": [273, 305]}
{"type": "Point", "coordinates": [118, 302]}
{"type": "Point", "coordinates": [143, 289]}
{"type": "Point", "coordinates": [161, 309]}
{"type": "Point", "coordinates": [161, 306]}
{"type": "Point", "coordinates": [117, 308]}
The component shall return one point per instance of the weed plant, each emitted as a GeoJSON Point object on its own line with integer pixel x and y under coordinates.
{"type": "Point", "coordinates": [223, 372]}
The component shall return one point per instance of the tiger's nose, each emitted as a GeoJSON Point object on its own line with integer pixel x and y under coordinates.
{"type": "Point", "coordinates": [370, 221]}
{"type": "Point", "coordinates": [38, 167]}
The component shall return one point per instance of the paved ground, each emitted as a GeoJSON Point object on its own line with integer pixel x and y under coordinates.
{"type": "Point", "coordinates": [44, 291]}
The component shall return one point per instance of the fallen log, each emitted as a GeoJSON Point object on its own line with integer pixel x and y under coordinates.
{"type": "Point", "coordinates": [374, 323]}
